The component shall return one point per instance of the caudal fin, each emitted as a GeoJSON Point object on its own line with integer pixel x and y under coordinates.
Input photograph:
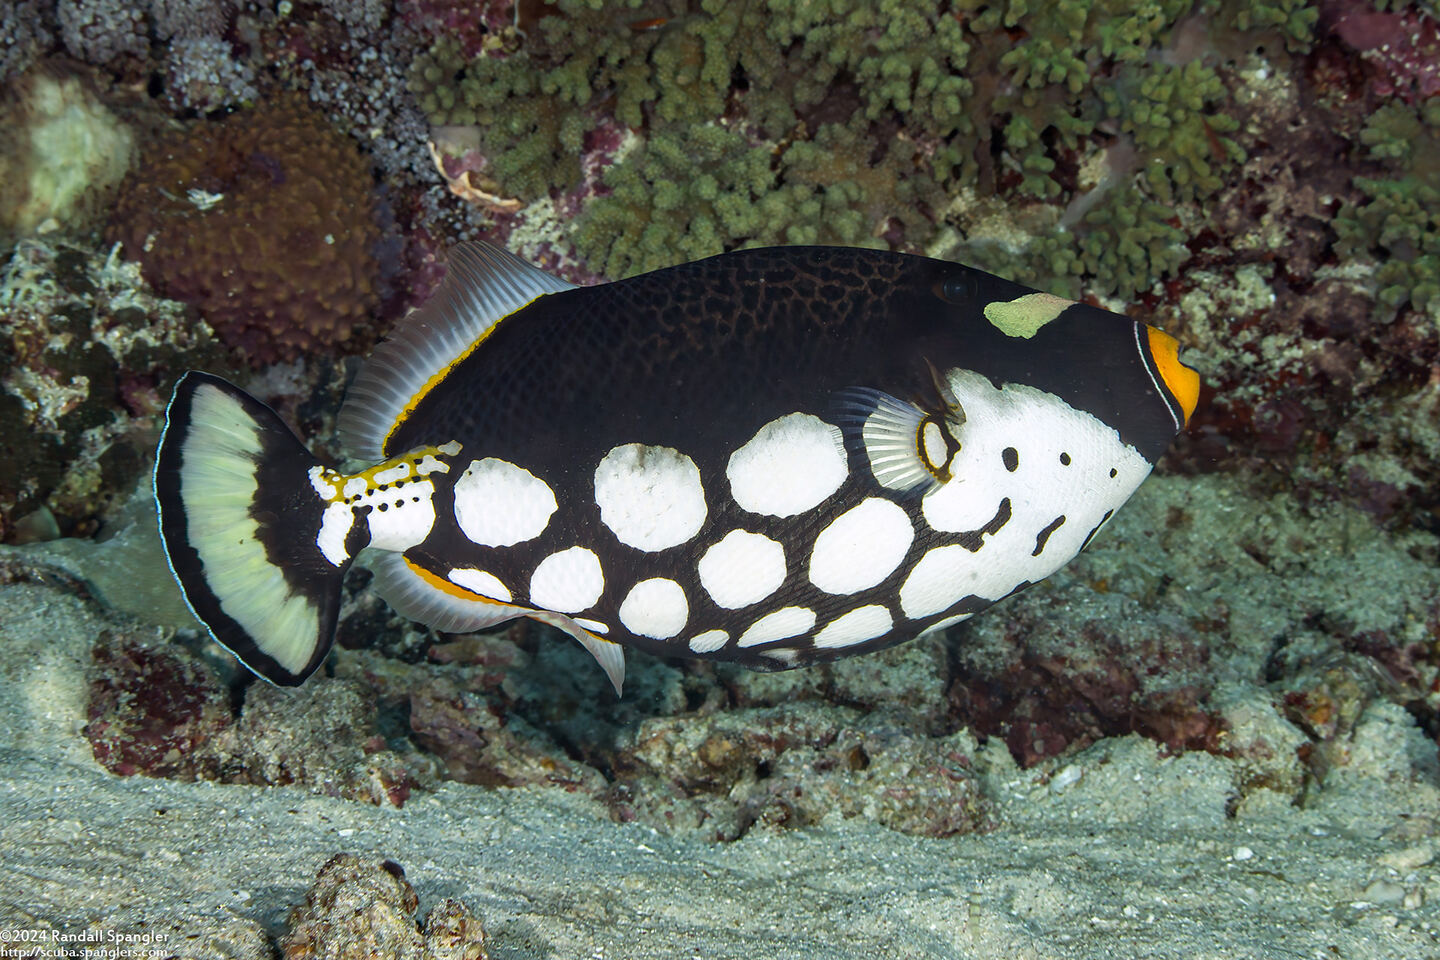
{"type": "Point", "coordinates": [240, 519]}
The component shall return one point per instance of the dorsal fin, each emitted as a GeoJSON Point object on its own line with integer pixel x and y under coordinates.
{"type": "Point", "coordinates": [483, 285]}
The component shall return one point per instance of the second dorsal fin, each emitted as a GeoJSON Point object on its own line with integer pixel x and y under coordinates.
{"type": "Point", "coordinates": [483, 285]}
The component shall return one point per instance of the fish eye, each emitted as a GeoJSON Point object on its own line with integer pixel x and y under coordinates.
{"type": "Point", "coordinates": [958, 288]}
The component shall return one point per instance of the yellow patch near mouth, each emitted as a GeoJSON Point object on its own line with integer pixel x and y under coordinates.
{"type": "Point", "coordinates": [1182, 381]}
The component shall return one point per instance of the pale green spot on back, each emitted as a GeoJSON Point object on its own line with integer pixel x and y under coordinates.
{"type": "Point", "coordinates": [1024, 316]}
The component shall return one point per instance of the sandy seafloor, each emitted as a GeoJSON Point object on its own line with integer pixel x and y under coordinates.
{"type": "Point", "coordinates": [1116, 851]}
{"type": "Point", "coordinates": [1266, 604]}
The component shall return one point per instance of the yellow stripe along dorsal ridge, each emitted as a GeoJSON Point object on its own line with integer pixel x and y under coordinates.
{"type": "Point", "coordinates": [483, 285]}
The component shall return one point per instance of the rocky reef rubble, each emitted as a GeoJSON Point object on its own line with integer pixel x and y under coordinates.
{"type": "Point", "coordinates": [360, 908]}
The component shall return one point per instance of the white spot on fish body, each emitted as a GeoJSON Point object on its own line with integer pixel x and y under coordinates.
{"type": "Point", "coordinates": [325, 483]}
{"type": "Point", "coordinates": [335, 524]}
{"type": "Point", "coordinates": [941, 579]}
{"type": "Point", "coordinates": [861, 547]}
{"type": "Point", "coordinates": [478, 581]}
{"type": "Point", "coordinates": [429, 464]}
{"type": "Point", "coordinates": [398, 521]}
{"type": "Point", "coordinates": [857, 626]}
{"type": "Point", "coordinates": [650, 497]}
{"type": "Point", "coordinates": [791, 465]}
{"type": "Point", "coordinates": [743, 568]}
{"type": "Point", "coordinates": [498, 504]}
{"type": "Point", "coordinates": [655, 608]}
{"type": "Point", "coordinates": [389, 475]}
{"type": "Point", "coordinates": [781, 625]}
{"type": "Point", "coordinates": [595, 626]}
{"type": "Point", "coordinates": [709, 641]}
{"type": "Point", "coordinates": [568, 581]}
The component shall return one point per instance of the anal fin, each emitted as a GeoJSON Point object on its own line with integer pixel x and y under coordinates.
{"type": "Point", "coordinates": [415, 593]}
{"type": "Point", "coordinates": [607, 653]}
{"type": "Point", "coordinates": [418, 595]}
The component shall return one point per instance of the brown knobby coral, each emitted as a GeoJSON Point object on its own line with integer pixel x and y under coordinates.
{"type": "Point", "coordinates": [265, 221]}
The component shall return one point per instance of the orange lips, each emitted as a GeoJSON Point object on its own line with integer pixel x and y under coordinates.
{"type": "Point", "coordinates": [1182, 382]}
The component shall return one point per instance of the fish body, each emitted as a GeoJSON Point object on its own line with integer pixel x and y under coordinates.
{"type": "Point", "coordinates": [776, 456]}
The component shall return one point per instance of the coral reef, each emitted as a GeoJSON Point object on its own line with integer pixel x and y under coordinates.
{"type": "Point", "coordinates": [153, 709]}
{"type": "Point", "coordinates": [1399, 226]}
{"type": "Point", "coordinates": [327, 739]}
{"type": "Point", "coordinates": [26, 31]}
{"type": "Point", "coordinates": [792, 766]}
{"type": "Point", "coordinates": [477, 745]}
{"type": "Point", "coordinates": [364, 908]}
{"type": "Point", "coordinates": [264, 221]}
{"type": "Point", "coordinates": [99, 31]}
{"type": "Point", "coordinates": [1083, 668]}
{"type": "Point", "coordinates": [787, 83]}
{"type": "Point", "coordinates": [63, 155]}
{"type": "Point", "coordinates": [1399, 46]}
{"type": "Point", "coordinates": [89, 353]}
{"type": "Point", "coordinates": [1259, 178]}
{"type": "Point", "coordinates": [204, 76]}
{"type": "Point", "coordinates": [158, 711]}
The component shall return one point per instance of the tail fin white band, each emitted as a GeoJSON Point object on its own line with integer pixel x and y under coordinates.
{"type": "Point", "coordinates": [240, 522]}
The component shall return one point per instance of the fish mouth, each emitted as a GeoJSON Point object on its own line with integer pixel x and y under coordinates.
{"type": "Point", "coordinates": [1180, 380]}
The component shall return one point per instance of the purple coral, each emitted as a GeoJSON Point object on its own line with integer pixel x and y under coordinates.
{"type": "Point", "coordinates": [466, 21]}
{"type": "Point", "coordinates": [190, 19]}
{"type": "Point", "coordinates": [99, 31]}
{"type": "Point", "coordinates": [204, 75]}
{"type": "Point", "coordinates": [152, 709]}
{"type": "Point", "coordinates": [24, 34]}
{"type": "Point", "coordinates": [1402, 48]}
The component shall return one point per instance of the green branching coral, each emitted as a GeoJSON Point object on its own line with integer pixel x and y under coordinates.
{"type": "Point", "coordinates": [681, 68]}
{"type": "Point", "coordinates": [1395, 131]}
{"type": "Point", "coordinates": [695, 194]}
{"type": "Point", "coordinates": [1050, 59]}
{"type": "Point", "coordinates": [857, 121]}
{"type": "Point", "coordinates": [1131, 242]}
{"type": "Point", "coordinates": [1169, 112]}
{"type": "Point", "coordinates": [678, 198]}
{"type": "Point", "coordinates": [905, 56]}
{"type": "Point", "coordinates": [1063, 43]}
{"type": "Point", "coordinates": [533, 140]}
{"type": "Point", "coordinates": [432, 76]}
{"type": "Point", "coordinates": [1400, 224]}
{"type": "Point", "coordinates": [901, 55]}
{"type": "Point", "coordinates": [1293, 20]}
{"type": "Point", "coordinates": [1123, 246]}
{"type": "Point", "coordinates": [858, 192]}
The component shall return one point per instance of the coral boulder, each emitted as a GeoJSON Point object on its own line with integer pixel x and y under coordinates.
{"type": "Point", "coordinates": [265, 221]}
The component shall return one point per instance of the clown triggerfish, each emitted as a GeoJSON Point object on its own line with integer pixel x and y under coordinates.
{"type": "Point", "coordinates": [776, 456]}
